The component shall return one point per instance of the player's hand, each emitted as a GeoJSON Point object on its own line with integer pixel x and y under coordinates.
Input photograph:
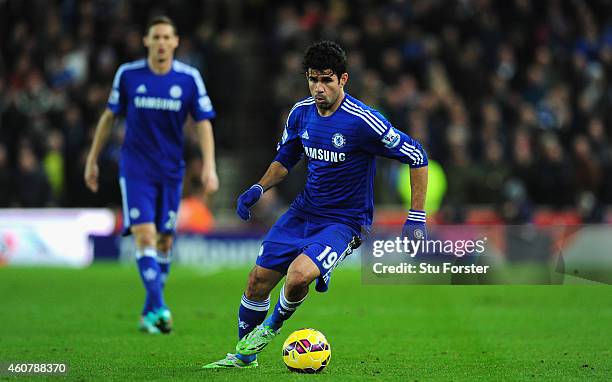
{"type": "Point", "coordinates": [414, 227]}
{"type": "Point", "coordinates": [247, 199]}
{"type": "Point", "coordinates": [210, 181]}
{"type": "Point", "coordinates": [91, 175]}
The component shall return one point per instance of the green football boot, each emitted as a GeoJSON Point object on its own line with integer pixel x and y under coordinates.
{"type": "Point", "coordinates": [148, 323]}
{"type": "Point", "coordinates": [230, 361]}
{"type": "Point", "coordinates": [164, 320]}
{"type": "Point", "coordinates": [257, 340]}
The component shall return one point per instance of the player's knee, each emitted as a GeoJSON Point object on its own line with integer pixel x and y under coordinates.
{"type": "Point", "coordinates": [164, 244]}
{"type": "Point", "coordinates": [297, 282]}
{"type": "Point", "coordinates": [145, 235]}
{"type": "Point", "coordinates": [145, 240]}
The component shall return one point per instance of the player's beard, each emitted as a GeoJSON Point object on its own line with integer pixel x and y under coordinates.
{"type": "Point", "coordinates": [325, 105]}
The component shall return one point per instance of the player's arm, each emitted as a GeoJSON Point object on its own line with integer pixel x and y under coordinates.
{"type": "Point", "coordinates": [414, 226]}
{"type": "Point", "coordinates": [209, 178]}
{"type": "Point", "coordinates": [274, 175]}
{"type": "Point", "coordinates": [409, 151]}
{"type": "Point", "coordinates": [288, 155]}
{"type": "Point", "coordinates": [289, 152]}
{"type": "Point", "coordinates": [202, 112]}
{"type": "Point", "coordinates": [103, 130]}
{"type": "Point", "coordinates": [115, 106]}
{"type": "Point", "coordinates": [385, 140]}
{"type": "Point", "coordinates": [418, 185]}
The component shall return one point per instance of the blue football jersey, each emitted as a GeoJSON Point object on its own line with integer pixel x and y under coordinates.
{"type": "Point", "coordinates": [340, 151]}
{"type": "Point", "coordinates": [155, 109]}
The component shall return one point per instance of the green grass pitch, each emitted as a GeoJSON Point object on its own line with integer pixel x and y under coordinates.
{"type": "Point", "coordinates": [401, 332]}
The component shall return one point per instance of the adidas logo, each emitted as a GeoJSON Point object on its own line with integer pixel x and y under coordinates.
{"type": "Point", "coordinates": [141, 89]}
{"type": "Point", "coordinates": [305, 134]}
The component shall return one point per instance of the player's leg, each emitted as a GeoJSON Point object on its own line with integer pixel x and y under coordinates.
{"type": "Point", "coordinates": [164, 255]}
{"type": "Point", "coordinates": [255, 303]}
{"type": "Point", "coordinates": [146, 259]}
{"type": "Point", "coordinates": [316, 263]}
{"type": "Point", "coordinates": [254, 306]}
{"type": "Point", "coordinates": [327, 246]}
{"type": "Point", "coordinates": [138, 200]}
{"type": "Point", "coordinates": [166, 212]}
{"type": "Point", "coordinates": [164, 259]}
{"type": "Point", "coordinates": [300, 274]}
{"type": "Point", "coordinates": [278, 250]}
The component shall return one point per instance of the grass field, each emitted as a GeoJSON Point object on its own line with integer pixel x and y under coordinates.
{"type": "Point", "coordinates": [405, 333]}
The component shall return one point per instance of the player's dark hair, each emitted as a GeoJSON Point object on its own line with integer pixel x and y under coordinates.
{"type": "Point", "coordinates": [161, 20]}
{"type": "Point", "coordinates": [324, 55]}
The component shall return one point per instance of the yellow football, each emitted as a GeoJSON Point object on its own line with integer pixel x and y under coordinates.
{"type": "Point", "coordinates": [306, 351]}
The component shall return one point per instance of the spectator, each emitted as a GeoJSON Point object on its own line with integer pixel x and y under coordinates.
{"type": "Point", "coordinates": [588, 172]}
{"type": "Point", "coordinates": [523, 161]}
{"type": "Point", "coordinates": [496, 75]}
{"type": "Point", "coordinates": [492, 173]}
{"type": "Point", "coordinates": [32, 186]}
{"type": "Point", "coordinates": [53, 163]}
{"type": "Point", "coordinates": [6, 184]}
{"type": "Point", "coordinates": [555, 180]}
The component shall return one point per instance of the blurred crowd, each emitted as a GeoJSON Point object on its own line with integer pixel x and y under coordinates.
{"type": "Point", "coordinates": [57, 63]}
{"type": "Point", "coordinates": [505, 95]}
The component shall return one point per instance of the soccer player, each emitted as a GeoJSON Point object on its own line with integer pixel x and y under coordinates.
{"type": "Point", "coordinates": [155, 95]}
{"type": "Point", "coordinates": [339, 137]}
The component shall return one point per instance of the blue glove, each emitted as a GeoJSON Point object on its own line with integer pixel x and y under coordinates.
{"type": "Point", "coordinates": [414, 227]}
{"type": "Point", "coordinates": [247, 199]}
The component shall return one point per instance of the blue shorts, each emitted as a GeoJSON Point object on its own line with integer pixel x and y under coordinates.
{"type": "Point", "coordinates": [149, 202]}
{"type": "Point", "coordinates": [327, 244]}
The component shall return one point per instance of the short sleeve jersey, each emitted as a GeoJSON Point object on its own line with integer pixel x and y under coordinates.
{"type": "Point", "coordinates": [340, 152]}
{"type": "Point", "coordinates": [155, 109]}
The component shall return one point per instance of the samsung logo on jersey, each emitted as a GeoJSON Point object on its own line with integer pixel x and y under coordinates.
{"type": "Point", "coordinates": [324, 155]}
{"type": "Point", "coordinates": [157, 103]}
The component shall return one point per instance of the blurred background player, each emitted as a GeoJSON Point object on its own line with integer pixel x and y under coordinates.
{"type": "Point", "coordinates": [155, 95]}
{"type": "Point", "coordinates": [340, 138]}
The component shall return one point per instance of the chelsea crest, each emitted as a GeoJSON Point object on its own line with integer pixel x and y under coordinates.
{"type": "Point", "coordinates": [338, 140]}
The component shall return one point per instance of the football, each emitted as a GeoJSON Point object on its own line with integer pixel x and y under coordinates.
{"type": "Point", "coordinates": [306, 351]}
